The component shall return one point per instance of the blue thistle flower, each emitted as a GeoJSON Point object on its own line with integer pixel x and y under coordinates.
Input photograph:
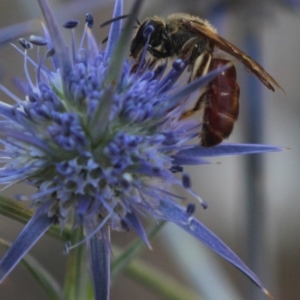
{"type": "Point", "coordinates": [103, 143]}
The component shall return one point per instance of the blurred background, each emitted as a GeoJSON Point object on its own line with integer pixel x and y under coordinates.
{"type": "Point", "coordinates": [253, 202]}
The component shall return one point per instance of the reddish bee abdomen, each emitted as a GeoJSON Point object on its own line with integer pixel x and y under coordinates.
{"type": "Point", "coordinates": [221, 108]}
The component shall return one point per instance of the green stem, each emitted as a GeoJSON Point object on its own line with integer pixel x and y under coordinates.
{"type": "Point", "coordinates": [77, 274]}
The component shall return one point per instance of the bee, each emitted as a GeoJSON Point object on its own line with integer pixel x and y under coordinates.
{"type": "Point", "coordinates": [194, 40]}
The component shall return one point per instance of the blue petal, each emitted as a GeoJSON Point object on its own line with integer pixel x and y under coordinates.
{"type": "Point", "coordinates": [61, 50]}
{"type": "Point", "coordinates": [188, 160]}
{"type": "Point", "coordinates": [188, 89]}
{"type": "Point", "coordinates": [31, 233]}
{"type": "Point", "coordinates": [115, 28]}
{"type": "Point", "coordinates": [99, 119]}
{"type": "Point", "coordinates": [175, 213]}
{"type": "Point", "coordinates": [228, 149]}
{"type": "Point", "coordinates": [30, 140]}
{"type": "Point", "coordinates": [100, 265]}
{"type": "Point", "coordinates": [7, 111]}
{"type": "Point", "coordinates": [136, 224]}
{"type": "Point", "coordinates": [121, 47]}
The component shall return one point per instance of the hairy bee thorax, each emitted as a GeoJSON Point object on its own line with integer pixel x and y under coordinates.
{"type": "Point", "coordinates": [185, 41]}
{"type": "Point", "coordinates": [183, 18]}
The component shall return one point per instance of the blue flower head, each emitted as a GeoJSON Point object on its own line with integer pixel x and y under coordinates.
{"type": "Point", "coordinates": [102, 143]}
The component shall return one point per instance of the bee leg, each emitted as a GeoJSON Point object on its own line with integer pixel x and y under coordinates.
{"type": "Point", "coordinates": [189, 50]}
{"type": "Point", "coordinates": [199, 58]}
{"type": "Point", "coordinates": [153, 63]}
{"type": "Point", "coordinates": [199, 105]}
{"type": "Point", "coordinates": [201, 65]}
{"type": "Point", "coordinates": [200, 68]}
{"type": "Point", "coordinates": [158, 54]}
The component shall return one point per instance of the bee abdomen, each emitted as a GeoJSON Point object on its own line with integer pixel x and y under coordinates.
{"type": "Point", "coordinates": [221, 107]}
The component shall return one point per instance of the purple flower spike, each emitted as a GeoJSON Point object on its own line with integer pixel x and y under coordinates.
{"type": "Point", "coordinates": [103, 143]}
{"type": "Point", "coordinates": [100, 266]}
{"type": "Point", "coordinates": [178, 215]}
{"type": "Point", "coordinates": [31, 233]}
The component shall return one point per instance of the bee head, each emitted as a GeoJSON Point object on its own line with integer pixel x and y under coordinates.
{"type": "Point", "coordinates": [154, 26]}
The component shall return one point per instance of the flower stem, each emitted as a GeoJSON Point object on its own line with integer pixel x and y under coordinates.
{"type": "Point", "coordinates": [77, 274]}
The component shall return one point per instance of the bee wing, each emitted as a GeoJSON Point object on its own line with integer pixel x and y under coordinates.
{"type": "Point", "coordinates": [229, 48]}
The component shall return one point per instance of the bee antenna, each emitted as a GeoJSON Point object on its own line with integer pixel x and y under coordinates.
{"type": "Point", "coordinates": [137, 20]}
{"type": "Point", "coordinates": [113, 20]}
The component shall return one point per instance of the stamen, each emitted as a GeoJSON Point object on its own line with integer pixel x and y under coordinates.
{"type": "Point", "coordinates": [22, 53]}
{"type": "Point", "coordinates": [10, 94]}
{"type": "Point", "coordinates": [176, 169]}
{"type": "Point", "coordinates": [50, 53]}
{"type": "Point", "coordinates": [89, 20]}
{"type": "Point", "coordinates": [202, 202]}
{"type": "Point", "coordinates": [159, 71]}
{"type": "Point", "coordinates": [25, 44]}
{"type": "Point", "coordinates": [186, 180]}
{"type": "Point", "coordinates": [50, 46]}
{"type": "Point", "coordinates": [147, 33]}
{"type": "Point", "coordinates": [178, 67]}
{"type": "Point", "coordinates": [68, 246]}
{"type": "Point", "coordinates": [71, 24]}
{"type": "Point", "coordinates": [190, 209]}
{"type": "Point", "coordinates": [38, 40]}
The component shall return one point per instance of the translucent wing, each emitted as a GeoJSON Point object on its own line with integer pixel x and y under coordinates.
{"type": "Point", "coordinates": [229, 48]}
